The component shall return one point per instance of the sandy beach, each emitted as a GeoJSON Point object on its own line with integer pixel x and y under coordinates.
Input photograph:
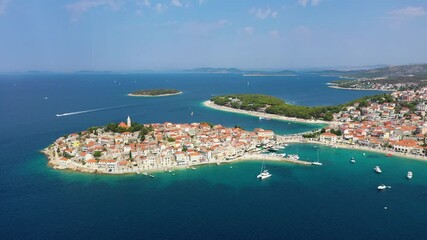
{"type": "Point", "coordinates": [210, 104]}
{"type": "Point", "coordinates": [356, 89]}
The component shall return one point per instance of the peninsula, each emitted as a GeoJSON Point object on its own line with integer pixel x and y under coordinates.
{"type": "Point", "coordinates": [134, 148]}
{"type": "Point", "coordinates": [155, 93]}
{"type": "Point", "coordinates": [393, 123]}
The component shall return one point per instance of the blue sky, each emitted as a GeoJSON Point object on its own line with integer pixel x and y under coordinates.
{"type": "Point", "coordinates": [72, 35]}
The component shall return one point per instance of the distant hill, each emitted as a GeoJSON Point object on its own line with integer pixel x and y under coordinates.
{"type": "Point", "coordinates": [239, 71]}
{"type": "Point", "coordinates": [215, 70]}
{"type": "Point", "coordinates": [413, 70]}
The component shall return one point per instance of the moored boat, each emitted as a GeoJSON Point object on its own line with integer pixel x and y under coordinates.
{"type": "Point", "coordinates": [382, 187]}
{"type": "Point", "coordinates": [352, 160]}
{"type": "Point", "coordinates": [409, 175]}
{"type": "Point", "coordinates": [377, 169]}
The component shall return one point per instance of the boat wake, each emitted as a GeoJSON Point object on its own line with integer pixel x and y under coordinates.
{"type": "Point", "coordinates": [93, 110]}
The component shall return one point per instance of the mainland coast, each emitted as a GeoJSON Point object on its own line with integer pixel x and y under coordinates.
{"type": "Point", "coordinates": [297, 138]}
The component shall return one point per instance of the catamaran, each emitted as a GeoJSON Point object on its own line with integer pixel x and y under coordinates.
{"type": "Point", "coordinates": [264, 173]}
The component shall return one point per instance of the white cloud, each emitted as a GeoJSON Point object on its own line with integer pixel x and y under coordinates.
{"type": "Point", "coordinates": [263, 13]}
{"type": "Point", "coordinates": [201, 28]}
{"type": "Point", "coordinates": [274, 33]}
{"type": "Point", "coordinates": [408, 12]}
{"type": "Point", "coordinates": [3, 6]}
{"type": "Point", "coordinates": [85, 5]}
{"type": "Point", "coordinates": [223, 22]}
{"type": "Point", "coordinates": [249, 30]}
{"type": "Point", "coordinates": [176, 3]}
{"type": "Point", "coordinates": [160, 8]}
{"type": "Point", "coordinates": [315, 2]}
{"type": "Point", "coordinates": [304, 3]}
{"type": "Point", "coordinates": [400, 16]}
{"type": "Point", "coordinates": [145, 3]}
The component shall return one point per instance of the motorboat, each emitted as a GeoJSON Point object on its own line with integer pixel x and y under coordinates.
{"type": "Point", "coordinates": [377, 169]}
{"type": "Point", "coordinates": [409, 175]}
{"type": "Point", "coordinates": [352, 160]}
{"type": "Point", "coordinates": [382, 187]}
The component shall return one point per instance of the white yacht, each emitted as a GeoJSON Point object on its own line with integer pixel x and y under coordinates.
{"type": "Point", "coordinates": [293, 156]}
{"type": "Point", "coordinates": [382, 187]}
{"type": "Point", "coordinates": [264, 173]}
{"type": "Point", "coordinates": [352, 160]}
{"type": "Point", "coordinates": [377, 169]}
{"type": "Point", "coordinates": [409, 175]}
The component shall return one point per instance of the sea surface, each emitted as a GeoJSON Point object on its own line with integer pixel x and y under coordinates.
{"type": "Point", "coordinates": [338, 200]}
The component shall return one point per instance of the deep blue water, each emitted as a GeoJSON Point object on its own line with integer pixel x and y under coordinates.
{"type": "Point", "coordinates": [336, 201]}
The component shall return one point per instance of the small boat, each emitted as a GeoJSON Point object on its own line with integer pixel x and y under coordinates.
{"type": "Point", "coordinates": [293, 156]}
{"type": "Point", "coordinates": [382, 187]}
{"type": "Point", "coordinates": [46, 98]}
{"type": "Point", "coordinates": [389, 155]}
{"type": "Point", "coordinates": [377, 169]}
{"type": "Point", "coordinates": [260, 118]}
{"type": "Point", "coordinates": [352, 160]}
{"type": "Point", "coordinates": [151, 176]}
{"type": "Point", "coordinates": [409, 175]}
{"type": "Point", "coordinates": [145, 173]}
{"type": "Point", "coordinates": [264, 173]}
{"type": "Point", "coordinates": [192, 113]}
{"type": "Point", "coordinates": [364, 154]}
{"type": "Point", "coordinates": [192, 168]}
{"type": "Point", "coordinates": [317, 163]}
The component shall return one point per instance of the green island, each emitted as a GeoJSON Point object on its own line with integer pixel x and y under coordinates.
{"type": "Point", "coordinates": [154, 93]}
{"type": "Point", "coordinates": [277, 106]}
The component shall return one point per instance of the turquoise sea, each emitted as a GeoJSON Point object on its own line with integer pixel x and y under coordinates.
{"type": "Point", "coordinates": [338, 200]}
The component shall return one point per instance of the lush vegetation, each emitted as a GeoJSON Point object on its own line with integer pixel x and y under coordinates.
{"type": "Point", "coordinates": [273, 105]}
{"type": "Point", "coordinates": [155, 92]}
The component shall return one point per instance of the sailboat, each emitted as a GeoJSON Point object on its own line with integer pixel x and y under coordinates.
{"type": "Point", "coordinates": [317, 163]}
{"type": "Point", "coordinates": [264, 173]}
